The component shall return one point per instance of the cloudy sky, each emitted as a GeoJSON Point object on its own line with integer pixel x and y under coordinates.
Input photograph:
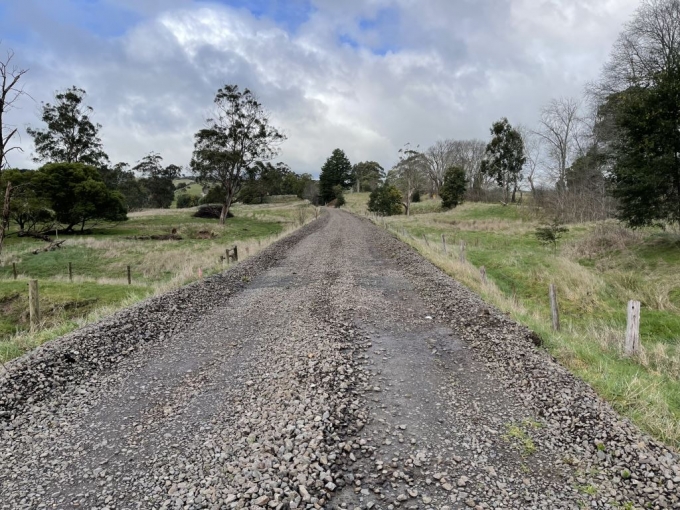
{"type": "Point", "coordinates": [366, 76]}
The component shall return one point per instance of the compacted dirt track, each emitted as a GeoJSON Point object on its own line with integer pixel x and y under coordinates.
{"type": "Point", "coordinates": [337, 369]}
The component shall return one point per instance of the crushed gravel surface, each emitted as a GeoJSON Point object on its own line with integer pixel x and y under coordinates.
{"type": "Point", "coordinates": [336, 369]}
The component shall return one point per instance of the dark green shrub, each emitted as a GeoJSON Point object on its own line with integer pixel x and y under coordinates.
{"type": "Point", "coordinates": [212, 211]}
{"type": "Point", "coordinates": [385, 200]}
{"type": "Point", "coordinates": [453, 189]}
{"type": "Point", "coordinates": [215, 195]}
{"type": "Point", "coordinates": [339, 196]}
{"type": "Point", "coordinates": [184, 200]}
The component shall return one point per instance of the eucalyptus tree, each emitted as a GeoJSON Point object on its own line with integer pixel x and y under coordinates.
{"type": "Point", "coordinates": [239, 134]}
{"type": "Point", "coordinates": [505, 158]}
{"type": "Point", "coordinates": [408, 175]}
{"type": "Point", "coordinates": [69, 136]}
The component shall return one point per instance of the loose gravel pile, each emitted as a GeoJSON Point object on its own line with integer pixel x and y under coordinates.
{"type": "Point", "coordinates": [337, 369]}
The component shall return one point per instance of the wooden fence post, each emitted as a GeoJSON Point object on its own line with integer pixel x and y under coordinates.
{"type": "Point", "coordinates": [129, 275]}
{"type": "Point", "coordinates": [34, 305]}
{"type": "Point", "coordinates": [70, 272]}
{"type": "Point", "coordinates": [482, 273]}
{"type": "Point", "coordinates": [462, 251]}
{"type": "Point", "coordinates": [633, 328]}
{"type": "Point", "coordinates": [14, 270]}
{"type": "Point", "coordinates": [444, 244]}
{"type": "Point", "coordinates": [235, 253]}
{"type": "Point", "coordinates": [554, 310]}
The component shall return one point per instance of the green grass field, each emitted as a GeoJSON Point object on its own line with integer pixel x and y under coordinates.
{"type": "Point", "coordinates": [597, 269]}
{"type": "Point", "coordinates": [100, 259]}
{"type": "Point", "coordinates": [193, 188]}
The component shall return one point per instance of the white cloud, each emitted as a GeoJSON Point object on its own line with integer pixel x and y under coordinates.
{"type": "Point", "coordinates": [449, 69]}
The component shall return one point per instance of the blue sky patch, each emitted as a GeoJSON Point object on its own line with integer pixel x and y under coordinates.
{"type": "Point", "coordinates": [348, 41]}
{"type": "Point", "coordinates": [386, 23]}
{"type": "Point", "coordinates": [19, 18]}
{"type": "Point", "coordinates": [289, 14]}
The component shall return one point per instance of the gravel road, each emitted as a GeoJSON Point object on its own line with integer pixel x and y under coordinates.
{"type": "Point", "coordinates": [336, 369]}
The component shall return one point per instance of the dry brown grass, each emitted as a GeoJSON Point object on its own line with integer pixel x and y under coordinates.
{"type": "Point", "coordinates": [603, 238]}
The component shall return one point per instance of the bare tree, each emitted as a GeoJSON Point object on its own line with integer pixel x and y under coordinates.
{"type": "Point", "coordinates": [648, 46]}
{"type": "Point", "coordinates": [533, 150]}
{"type": "Point", "coordinates": [437, 159]}
{"type": "Point", "coordinates": [10, 75]}
{"type": "Point", "coordinates": [10, 93]}
{"type": "Point", "coordinates": [559, 129]}
{"type": "Point", "coordinates": [469, 154]}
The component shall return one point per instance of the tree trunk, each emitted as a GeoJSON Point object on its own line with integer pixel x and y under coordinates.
{"type": "Point", "coordinates": [4, 220]}
{"type": "Point", "coordinates": [226, 206]}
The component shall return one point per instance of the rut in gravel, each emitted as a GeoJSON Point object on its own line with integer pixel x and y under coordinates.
{"type": "Point", "coordinates": [347, 372]}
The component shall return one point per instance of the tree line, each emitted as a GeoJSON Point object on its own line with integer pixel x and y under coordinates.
{"type": "Point", "coordinates": [78, 186]}
{"type": "Point", "coordinates": [616, 152]}
{"type": "Point", "coordinates": [613, 153]}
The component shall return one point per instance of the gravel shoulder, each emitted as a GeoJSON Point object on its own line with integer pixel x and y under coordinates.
{"type": "Point", "coordinates": [337, 369]}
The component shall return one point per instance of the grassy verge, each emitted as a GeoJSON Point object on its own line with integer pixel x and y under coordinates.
{"type": "Point", "coordinates": [597, 269]}
{"type": "Point", "coordinates": [100, 261]}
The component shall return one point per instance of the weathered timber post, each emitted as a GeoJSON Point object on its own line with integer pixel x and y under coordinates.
{"type": "Point", "coordinates": [14, 270]}
{"type": "Point", "coordinates": [70, 272]}
{"type": "Point", "coordinates": [34, 305]}
{"type": "Point", "coordinates": [444, 244]}
{"type": "Point", "coordinates": [462, 251]}
{"type": "Point", "coordinates": [633, 328]}
{"type": "Point", "coordinates": [482, 273]}
{"type": "Point", "coordinates": [235, 253]}
{"type": "Point", "coordinates": [129, 275]}
{"type": "Point", "coordinates": [554, 310]}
